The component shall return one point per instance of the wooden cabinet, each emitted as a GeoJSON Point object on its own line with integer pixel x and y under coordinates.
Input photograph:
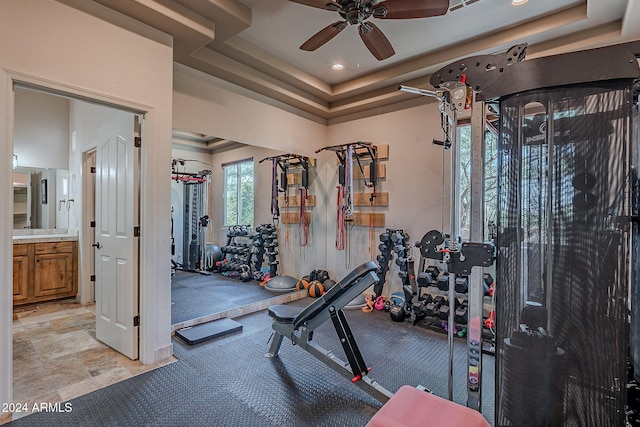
{"type": "Point", "coordinates": [44, 271]}
{"type": "Point", "coordinates": [20, 273]}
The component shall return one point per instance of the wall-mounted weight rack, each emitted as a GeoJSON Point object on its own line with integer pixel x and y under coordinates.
{"type": "Point", "coordinates": [289, 170]}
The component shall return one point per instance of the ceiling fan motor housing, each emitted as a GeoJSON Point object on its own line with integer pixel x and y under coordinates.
{"type": "Point", "coordinates": [355, 12]}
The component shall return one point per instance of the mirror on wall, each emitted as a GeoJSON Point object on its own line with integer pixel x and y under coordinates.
{"type": "Point", "coordinates": [41, 150]}
{"type": "Point", "coordinates": [296, 253]}
{"type": "Point", "coordinates": [40, 198]}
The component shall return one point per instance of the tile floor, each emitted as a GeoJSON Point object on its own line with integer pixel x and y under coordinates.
{"type": "Point", "coordinates": [56, 356]}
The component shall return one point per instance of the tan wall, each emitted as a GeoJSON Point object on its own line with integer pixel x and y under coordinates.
{"type": "Point", "coordinates": [414, 181]}
{"type": "Point", "coordinates": [207, 105]}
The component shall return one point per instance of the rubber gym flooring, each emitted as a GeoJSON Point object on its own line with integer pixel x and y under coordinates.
{"type": "Point", "coordinates": [195, 295]}
{"type": "Point", "coordinates": [230, 382]}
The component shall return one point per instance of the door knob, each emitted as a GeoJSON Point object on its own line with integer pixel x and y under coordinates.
{"type": "Point", "coordinates": [96, 245]}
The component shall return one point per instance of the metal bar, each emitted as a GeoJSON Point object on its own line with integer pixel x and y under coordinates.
{"type": "Point", "coordinates": [349, 345]}
{"type": "Point", "coordinates": [423, 92]}
{"type": "Point", "coordinates": [453, 227]}
{"type": "Point", "coordinates": [476, 292]}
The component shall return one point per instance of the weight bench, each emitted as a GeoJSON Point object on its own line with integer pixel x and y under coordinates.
{"type": "Point", "coordinates": [298, 325]}
{"type": "Point", "coordinates": [411, 407]}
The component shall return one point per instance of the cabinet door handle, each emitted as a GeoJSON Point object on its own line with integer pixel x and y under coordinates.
{"type": "Point", "coordinates": [96, 245]}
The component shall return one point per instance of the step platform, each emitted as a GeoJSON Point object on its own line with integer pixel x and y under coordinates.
{"type": "Point", "coordinates": [207, 331]}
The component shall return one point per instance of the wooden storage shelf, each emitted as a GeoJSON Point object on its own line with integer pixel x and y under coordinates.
{"type": "Point", "coordinates": [294, 201]}
{"type": "Point", "coordinates": [44, 271]}
{"type": "Point", "coordinates": [294, 217]}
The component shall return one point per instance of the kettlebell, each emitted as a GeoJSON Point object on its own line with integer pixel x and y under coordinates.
{"type": "Point", "coordinates": [379, 304]}
{"type": "Point", "coordinates": [397, 313]}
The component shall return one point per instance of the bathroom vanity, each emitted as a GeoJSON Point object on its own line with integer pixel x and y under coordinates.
{"type": "Point", "coordinates": [45, 267]}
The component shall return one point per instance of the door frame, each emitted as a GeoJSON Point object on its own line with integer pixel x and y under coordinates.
{"type": "Point", "coordinates": [86, 288]}
{"type": "Point", "coordinates": [148, 352]}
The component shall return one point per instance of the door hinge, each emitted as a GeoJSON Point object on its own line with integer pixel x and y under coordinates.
{"type": "Point", "coordinates": [136, 231]}
{"type": "Point", "coordinates": [136, 320]}
{"type": "Point", "coordinates": [137, 142]}
{"type": "Point", "coordinates": [92, 224]}
{"type": "Point", "coordinates": [93, 169]}
{"type": "Point", "coordinates": [93, 278]}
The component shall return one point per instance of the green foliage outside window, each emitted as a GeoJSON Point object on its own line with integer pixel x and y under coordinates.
{"type": "Point", "coordinates": [238, 182]}
{"type": "Point", "coordinates": [490, 179]}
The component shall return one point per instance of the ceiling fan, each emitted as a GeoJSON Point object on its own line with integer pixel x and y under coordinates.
{"type": "Point", "coordinates": [357, 12]}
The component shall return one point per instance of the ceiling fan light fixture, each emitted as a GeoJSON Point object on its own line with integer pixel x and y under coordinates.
{"type": "Point", "coordinates": [518, 2]}
{"type": "Point", "coordinates": [379, 12]}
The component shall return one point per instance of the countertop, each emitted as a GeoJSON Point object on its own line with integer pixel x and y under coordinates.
{"type": "Point", "coordinates": [44, 238]}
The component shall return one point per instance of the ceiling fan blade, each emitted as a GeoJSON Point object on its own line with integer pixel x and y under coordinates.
{"type": "Point", "coordinates": [375, 40]}
{"type": "Point", "coordinates": [320, 4]}
{"type": "Point", "coordinates": [407, 9]}
{"type": "Point", "coordinates": [323, 36]}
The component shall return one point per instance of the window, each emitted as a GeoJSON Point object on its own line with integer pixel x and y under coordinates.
{"type": "Point", "coordinates": [490, 179]}
{"type": "Point", "coordinates": [238, 194]}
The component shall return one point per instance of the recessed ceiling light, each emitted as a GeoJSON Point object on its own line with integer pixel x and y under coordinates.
{"type": "Point", "coordinates": [338, 67]}
{"type": "Point", "coordinates": [518, 2]}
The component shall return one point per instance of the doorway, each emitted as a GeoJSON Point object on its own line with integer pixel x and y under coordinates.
{"type": "Point", "coordinates": [56, 131]}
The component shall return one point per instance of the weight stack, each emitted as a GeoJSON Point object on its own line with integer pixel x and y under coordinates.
{"type": "Point", "coordinates": [534, 402]}
{"type": "Point", "coordinates": [563, 181]}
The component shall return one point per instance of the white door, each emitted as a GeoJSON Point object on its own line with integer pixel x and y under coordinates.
{"type": "Point", "coordinates": [116, 285]}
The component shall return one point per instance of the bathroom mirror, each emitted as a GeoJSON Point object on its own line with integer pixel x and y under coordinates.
{"type": "Point", "coordinates": [41, 198]}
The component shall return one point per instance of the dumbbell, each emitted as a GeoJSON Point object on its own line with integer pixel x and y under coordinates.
{"type": "Point", "coordinates": [487, 281]}
{"type": "Point", "coordinates": [419, 311]}
{"type": "Point", "coordinates": [462, 285]}
{"type": "Point", "coordinates": [383, 248]}
{"type": "Point", "coordinates": [397, 236]}
{"type": "Point", "coordinates": [423, 279]}
{"type": "Point", "coordinates": [442, 282]}
{"type": "Point", "coordinates": [445, 308]}
{"type": "Point", "coordinates": [399, 248]}
{"type": "Point", "coordinates": [385, 237]}
{"type": "Point", "coordinates": [400, 261]}
{"type": "Point", "coordinates": [433, 271]}
{"type": "Point", "coordinates": [426, 298]}
{"type": "Point", "coordinates": [432, 309]}
{"type": "Point", "coordinates": [245, 273]}
{"type": "Point", "coordinates": [461, 315]}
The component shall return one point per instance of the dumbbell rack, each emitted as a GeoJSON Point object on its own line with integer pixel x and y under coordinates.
{"type": "Point", "coordinates": [265, 244]}
{"type": "Point", "coordinates": [392, 241]}
{"type": "Point", "coordinates": [245, 252]}
{"type": "Point", "coordinates": [433, 306]}
{"type": "Point", "coordinates": [237, 252]}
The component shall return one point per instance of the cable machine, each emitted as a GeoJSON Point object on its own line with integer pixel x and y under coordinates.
{"type": "Point", "coordinates": [565, 182]}
{"type": "Point", "coordinates": [196, 218]}
{"type": "Point", "coordinates": [459, 257]}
